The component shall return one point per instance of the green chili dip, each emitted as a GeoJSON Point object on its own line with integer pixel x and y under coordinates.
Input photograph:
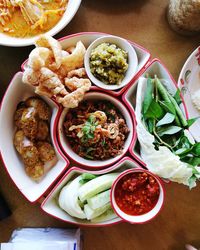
{"type": "Point", "coordinates": [109, 63]}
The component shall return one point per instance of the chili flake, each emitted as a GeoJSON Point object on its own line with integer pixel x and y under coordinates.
{"type": "Point", "coordinates": [137, 193]}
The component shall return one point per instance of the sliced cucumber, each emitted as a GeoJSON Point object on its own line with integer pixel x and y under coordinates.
{"type": "Point", "coordinates": [99, 200]}
{"type": "Point", "coordinates": [68, 199]}
{"type": "Point", "coordinates": [107, 215]}
{"type": "Point", "coordinates": [93, 213]}
{"type": "Point", "coordinates": [96, 186]}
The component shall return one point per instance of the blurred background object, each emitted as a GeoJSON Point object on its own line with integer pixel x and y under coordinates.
{"type": "Point", "coordinates": [4, 209]}
{"type": "Point", "coordinates": [184, 16]}
{"type": "Point", "coordinates": [43, 239]}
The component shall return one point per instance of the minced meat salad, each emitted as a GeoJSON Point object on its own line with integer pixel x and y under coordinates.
{"type": "Point", "coordinates": [109, 63]}
{"type": "Point", "coordinates": [96, 130]}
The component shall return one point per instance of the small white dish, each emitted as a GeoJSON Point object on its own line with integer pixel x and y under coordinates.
{"type": "Point", "coordinates": [189, 83]}
{"type": "Point", "coordinates": [132, 61]}
{"type": "Point", "coordinates": [143, 218]}
{"type": "Point", "coordinates": [95, 163]}
{"type": "Point", "coordinates": [70, 12]}
{"type": "Point", "coordinates": [17, 92]}
{"type": "Point", "coordinates": [50, 204]}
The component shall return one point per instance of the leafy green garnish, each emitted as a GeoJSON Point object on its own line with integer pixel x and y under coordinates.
{"type": "Point", "coordinates": [177, 97]}
{"type": "Point", "coordinates": [168, 130]}
{"type": "Point", "coordinates": [192, 120]}
{"type": "Point", "coordinates": [89, 128]}
{"type": "Point", "coordinates": [167, 119]}
{"type": "Point", "coordinates": [86, 177]}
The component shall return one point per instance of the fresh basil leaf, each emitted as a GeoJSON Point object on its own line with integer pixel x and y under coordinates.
{"type": "Point", "coordinates": [196, 149]}
{"type": "Point", "coordinates": [150, 124]}
{"type": "Point", "coordinates": [168, 130]}
{"type": "Point", "coordinates": [192, 120]}
{"type": "Point", "coordinates": [148, 96]}
{"type": "Point", "coordinates": [169, 107]}
{"type": "Point", "coordinates": [167, 119]}
{"type": "Point", "coordinates": [177, 97]}
{"type": "Point", "coordinates": [183, 152]}
{"type": "Point", "coordinates": [154, 111]}
{"type": "Point", "coordinates": [194, 161]}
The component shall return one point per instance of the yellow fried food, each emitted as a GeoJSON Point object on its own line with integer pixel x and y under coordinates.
{"type": "Point", "coordinates": [43, 130]}
{"type": "Point", "coordinates": [30, 155]}
{"type": "Point", "coordinates": [41, 108]}
{"type": "Point", "coordinates": [36, 171]}
{"type": "Point", "coordinates": [46, 151]}
{"type": "Point", "coordinates": [21, 141]}
{"type": "Point", "coordinates": [18, 116]}
{"type": "Point", "coordinates": [29, 123]}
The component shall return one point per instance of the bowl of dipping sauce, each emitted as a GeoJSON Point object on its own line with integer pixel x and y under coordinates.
{"type": "Point", "coordinates": [111, 62]}
{"type": "Point", "coordinates": [137, 195]}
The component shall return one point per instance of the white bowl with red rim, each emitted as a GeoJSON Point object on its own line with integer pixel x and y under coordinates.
{"type": "Point", "coordinates": [72, 8]}
{"type": "Point", "coordinates": [15, 93]}
{"type": "Point", "coordinates": [95, 164]}
{"type": "Point", "coordinates": [87, 38]}
{"type": "Point", "coordinates": [141, 218]}
{"type": "Point", "coordinates": [50, 204]}
{"type": "Point", "coordinates": [156, 67]}
{"type": "Point", "coordinates": [132, 61]}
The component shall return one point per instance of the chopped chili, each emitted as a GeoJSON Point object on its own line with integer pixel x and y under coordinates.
{"type": "Point", "coordinates": [137, 193]}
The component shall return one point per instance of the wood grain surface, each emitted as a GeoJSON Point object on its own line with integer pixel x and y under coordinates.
{"type": "Point", "coordinates": [143, 22]}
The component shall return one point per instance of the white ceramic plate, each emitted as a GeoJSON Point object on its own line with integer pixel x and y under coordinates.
{"type": "Point", "coordinates": [17, 92]}
{"type": "Point", "coordinates": [189, 83]}
{"type": "Point", "coordinates": [71, 10]}
{"type": "Point", "coordinates": [50, 204]}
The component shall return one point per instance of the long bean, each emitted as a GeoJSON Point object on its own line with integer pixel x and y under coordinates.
{"type": "Point", "coordinates": [171, 101]}
{"type": "Point", "coordinates": [178, 111]}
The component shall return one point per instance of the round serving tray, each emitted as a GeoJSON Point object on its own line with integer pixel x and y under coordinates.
{"type": "Point", "coordinates": [50, 185]}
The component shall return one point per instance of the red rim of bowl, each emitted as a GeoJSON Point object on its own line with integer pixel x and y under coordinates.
{"type": "Point", "coordinates": [114, 160]}
{"type": "Point", "coordinates": [132, 171]}
{"type": "Point", "coordinates": [99, 172]}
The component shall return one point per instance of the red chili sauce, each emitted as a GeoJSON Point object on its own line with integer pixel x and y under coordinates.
{"type": "Point", "coordinates": [137, 193]}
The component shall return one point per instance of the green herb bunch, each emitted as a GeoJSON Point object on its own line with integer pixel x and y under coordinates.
{"type": "Point", "coordinates": [89, 128]}
{"type": "Point", "coordinates": [164, 119]}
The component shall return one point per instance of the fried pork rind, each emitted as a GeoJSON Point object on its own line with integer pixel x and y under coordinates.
{"type": "Point", "coordinates": [57, 73]}
{"type": "Point", "coordinates": [38, 58]}
{"type": "Point", "coordinates": [46, 151]}
{"type": "Point", "coordinates": [75, 59]}
{"type": "Point", "coordinates": [41, 108]}
{"type": "Point", "coordinates": [52, 44]}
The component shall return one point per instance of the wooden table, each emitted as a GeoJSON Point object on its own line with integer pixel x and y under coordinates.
{"type": "Point", "coordinates": [145, 23]}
